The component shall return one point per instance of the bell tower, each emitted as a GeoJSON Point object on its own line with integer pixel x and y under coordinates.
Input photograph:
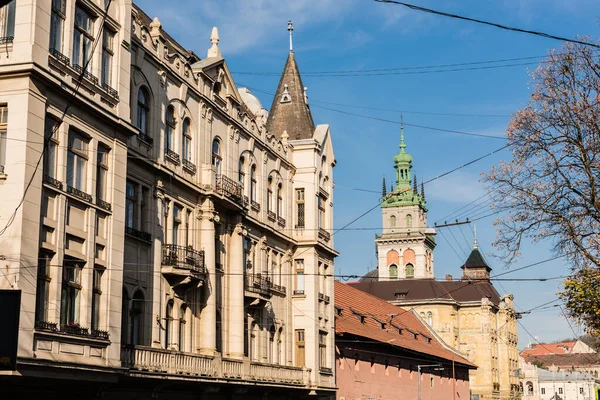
{"type": "Point", "coordinates": [405, 246]}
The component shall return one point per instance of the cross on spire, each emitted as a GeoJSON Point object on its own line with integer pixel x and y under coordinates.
{"type": "Point", "coordinates": [290, 29]}
{"type": "Point", "coordinates": [402, 145]}
{"type": "Point", "coordinates": [475, 235]}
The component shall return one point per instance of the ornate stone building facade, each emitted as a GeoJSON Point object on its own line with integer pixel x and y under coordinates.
{"type": "Point", "coordinates": [468, 314]}
{"type": "Point", "coordinates": [173, 229]}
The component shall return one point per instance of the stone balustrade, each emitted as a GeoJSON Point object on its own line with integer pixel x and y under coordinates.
{"type": "Point", "coordinates": [168, 362]}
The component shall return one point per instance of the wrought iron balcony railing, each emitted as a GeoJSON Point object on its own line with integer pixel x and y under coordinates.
{"type": "Point", "coordinates": [230, 188]}
{"type": "Point", "coordinates": [281, 221]}
{"type": "Point", "coordinates": [7, 39]}
{"type": "Point", "coordinates": [78, 193]}
{"type": "Point", "coordinates": [271, 215]}
{"type": "Point", "coordinates": [138, 234]}
{"type": "Point", "coordinates": [99, 334]}
{"type": "Point", "coordinates": [103, 204]}
{"type": "Point", "coordinates": [190, 166]}
{"type": "Point", "coordinates": [255, 206]}
{"type": "Point", "coordinates": [46, 326]}
{"type": "Point", "coordinates": [172, 156]}
{"type": "Point", "coordinates": [259, 284]}
{"type": "Point", "coordinates": [86, 74]}
{"type": "Point", "coordinates": [183, 257]}
{"type": "Point", "coordinates": [53, 182]}
{"type": "Point", "coordinates": [323, 234]}
{"type": "Point", "coordinates": [298, 291]}
{"type": "Point", "coordinates": [111, 91]}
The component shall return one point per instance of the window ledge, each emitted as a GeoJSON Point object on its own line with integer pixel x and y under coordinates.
{"type": "Point", "coordinates": [3, 176]}
{"type": "Point", "coordinates": [61, 337]}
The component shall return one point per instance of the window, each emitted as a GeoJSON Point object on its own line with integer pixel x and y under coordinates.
{"type": "Point", "coordinates": [300, 348]}
{"type": "Point", "coordinates": [219, 333]}
{"type": "Point", "coordinates": [271, 347]}
{"type": "Point", "coordinates": [410, 271]}
{"type": "Point", "coordinates": [253, 183]}
{"type": "Point", "coordinates": [270, 194]}
{"type": "Point", "coordinates": [143, 109]}
{"type": "Point", "coordinates": [429, 318]}
{"type": "Point", "coordinates": [83, 37]}
{"type": "Point", "coordinates": [560, 390]}
{"type": "Point", "coordinates": [543, 390]}
{"type": "Point", "coordinates": [409, 221]}
{"type": "Point", "coordinates": [51, 148]}
{"type": "Point", "coordinates": [322, 350]}
{"type": "Point", "coordinates": [300, 208]}
{"type": "Point", "coordinates": [3, 131]}
{"type": "Point", "coordinates": [57, 20]}
{"type": "Point", "coordinates": [169, 324]}
{"type": "Point", "coordinates": [108, 38]}
{"type": "Point", "coordinates": [393, 271]}
{"type": "Point", "coordinates": [137, 318]}
{"type": "Point", "coordinates": [102, 172]}
{"type": "Point", "coordinates": [170, 129]}
{"type": "Point", "coordinates": [130, 205]}
{"type": "Point", "coordinates": [280, 200]}
{"type": "Point", "coordinates": [7, 21]}
{"type": "Point", "coordinates": [43, 287]}
{"type": "Point", "coordinates": [581, 390]}
{"type": "Point", "coordinates": [176, 224]}
{"type": "Point", "coordinates": [216, 156]}
{"type": "Point", "coordinates": [241, 173]}
{"type": "Point", "coordinates": [218, 247]}
{"type": "Point", "coordinates": [299, 277]}
{"type": "Point", "coordinates": [393, 221]}
{"type": "Point", "coordinates": [71, 290]}
{"type": "Point", "coordinates": [77, 161]}
{"type": "Point", "coordinates": [431, 381]}
{"type": "Point", "coordinates": [96, 293]}
{"type": "Point", "coordinates": [186, 148]}
{"type": "Point", "coordinates": [321, 212]}
{"type": "Point", "coordinates": [182, 322]}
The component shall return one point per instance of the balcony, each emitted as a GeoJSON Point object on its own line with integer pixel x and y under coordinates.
{"type": "Point", "coordinates": [259, 284]}
{"type": "Point", "coordinates": [229, 188]}
{"type": "Point", "coordinates": [189, 166]}
{"type": "Point", "coordinates": [145, 236]}
{"type": "Point", "coordinates": [48, 180]}
{"type": "Point", "coordinates": [170, 155]}
{"type": "Point", "coordinates": [111, 91]}
{"type": "Point", "coordinates": [86, 74]}
{"type": "Point", "coordinates": [255, 206]}
{"type": "Point", "coordinates": [271, 215]}
{"type": "Point", "coordinates": [103, 204]}
{"type": "Point", "coordinates": [182, 257]}
{"type": "Point", "coordinates": [60, 57]}
{"type": "Point", "coordinates": [323, 234]}
{"type": "Point", "coordinates": [281, 221]}
{"type": "Point", "coordinates": [78, 193]}
{"type": "Point", "coordinates": [166, 362]}
{"type": "Point", "coordinates": [72, 330]}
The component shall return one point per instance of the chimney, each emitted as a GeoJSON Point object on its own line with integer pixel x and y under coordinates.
{"type": "Point", "coordinates": [448, 277]}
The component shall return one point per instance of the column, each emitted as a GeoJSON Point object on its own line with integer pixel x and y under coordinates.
{"type": "Point", "coordinates": [236, 292]}
{"type": "Point", "coordinates": [208, 319]}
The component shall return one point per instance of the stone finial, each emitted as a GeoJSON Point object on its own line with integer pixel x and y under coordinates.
{"type": "Point", "coordinates": [214, 51]}
{"type": "Point", "coordinates": [305, 96]}
{"type": "Point", "coordinates": [284, 138]}
{"type": "Point", "coordinates": [155, 26]}
{"type": "Point", "coordinates": [415, 186]}
{"type": "Point", "coordinates": [422, 190]}
{"type": "Point", "coordinates": [475, 245]}
{"type": "Point", "coordinates": [290, 30]}
{"type": "Point", "coordinates": [383, 188]}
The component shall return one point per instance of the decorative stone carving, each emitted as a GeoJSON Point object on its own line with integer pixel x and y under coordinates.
{"type": "Point", "coordinates": [163, 78]}
{"type": "Point", "coordinates": [240, 230]}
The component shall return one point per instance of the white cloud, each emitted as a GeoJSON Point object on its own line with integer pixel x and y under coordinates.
{"type": "Point", "coordinates": [459, 187]}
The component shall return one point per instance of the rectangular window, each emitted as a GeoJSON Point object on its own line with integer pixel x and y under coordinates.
{"type": "Point", "coordinates": [7, 21]}
{"type": "Point", "coordinates": [580, 390]}
{"type": "Point", "coordinates": [300, 348]}
{"type": "Point", "coordinates": [300, 208]}
{"type": "Point", "coordinates": [3, 131]}
{"type": "Point", "coordinates": [96, 293]}
{"type": "Point", "coordinates": [218, 247]}
{"type": "Point", "coordinates": [269, 199]}
{"type": "Point", "coordinates": [83, 37]}
{"type": "Point", "coordinates": [299, 277]}
{"type": "Point", "coordinates": [130, 205]}
{"type": "Point", "coordinates": [50, 135]}
{"type": "Point", "coordinates": [144, 208]}
{"type": "Point", "coordinates": [322, 350]}
{"type": "Point", "coordinates": [543, 390]}
{"type": "Point", "coordinates": [102, 172]}
{"type": "Point", "coordinates": [43, 287]}
{"type": "Point", "coordinates": [108, 37]}
{"type": "Point", "coordinates": [57, 20]}
{"type": "Point", "coordinates": [560, 390]}
{"type": "Point", "coordinates": [77, 161]}
{"type": "Point", "coordinates": [176, 224]}
{"type": "Point", "coordinates": [71, 290]}
{"type": "Point", "coordinates": [322, 221]}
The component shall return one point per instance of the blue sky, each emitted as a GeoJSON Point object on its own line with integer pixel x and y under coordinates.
{"type": "Point", "coordinates": [334, 35]}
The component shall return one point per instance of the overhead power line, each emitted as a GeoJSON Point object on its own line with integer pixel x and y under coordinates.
{"type": "Point", "coordinates": [494, 24]}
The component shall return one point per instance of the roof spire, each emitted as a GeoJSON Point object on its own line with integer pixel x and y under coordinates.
{"type": "Point", "coordinates": [415, 191]}
{"type": "Point", "coordinates": [475, 235]}
{"type": "Point", "coordinates": [402, 145]}
{"type": "Point", "coordinates": [214, 50]}
{"type": "Point", "coordinates": [422, 191]}
{"type": "Point", "coordinates": [383, 188]}
{"type": "Point", "coordinates": [290, 30]}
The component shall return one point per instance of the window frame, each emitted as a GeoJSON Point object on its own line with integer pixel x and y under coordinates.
{"type": "Point", "coordinates": [299, 277]}
{"type": "Point", "coordinates": [83, 36]}
{"type": "Point", "coordinates": [7, 21]}
{"type": "Point", "coordinates": [107, 59]}
{"type": "Point", "coordinates": [70, 301]}
{"type": "Point", "coordinates": [143, 110]}
{"type": "Point", "coordinates": [300, 208]}
{"type": "Point", "coordinates": [57, 23]}
{"type": "Point", "coordinates": [216, 158]}
{"type": "Point", "coordinates": [170, 129]}
{"type": "Point", "coordinates": [3, 135]}
{"type": "Point", "coordinates": [96, 296]}
{"type": "Point", "coordinates": [186, 140]}
{"type": "Point", "coordinates": [77, 154]}
{"type": "Point", "coordinates": [300, 347]}
{"type": "Point", "coordinates": [102, 171]}
{"type": "Point", "coordinates": [43, 286]}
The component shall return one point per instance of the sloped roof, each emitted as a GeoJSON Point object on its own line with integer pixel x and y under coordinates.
{"type": "Point", "coordinates": [545, 375]}
{"type": "Point", "coordinates": [476, 260]}
{"type": "Point", "coordinates": [564, 360]}
{"type": "Point", "coordinates": [292, 116]}
{"type": "Point", "coordinates": [427, 289]}
{"type": "Point", "coordinates": [549, 348]}
{"type": "Point", "coordinates": [354, 302]}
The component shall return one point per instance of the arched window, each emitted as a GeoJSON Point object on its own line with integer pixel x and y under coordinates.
{"type": "Point", "coordinates": [393, 220]}
{"type": "Point", "coordinates": [410, 270]}
{"type": "Point", "coordinates": [253, 183]}
{"type": "Point", "coordinates": [241, 173]}
{"type": "Point", "coordinates": [216, 156]}
{"type": "Point", "coordinates": [280, 200]}
{"type": "Point", "coordinates": [393, 271]}
{"type": "Point", "coordinates": [170, 128]}
{"type": "Point", "coordinates": [182, 330]}
{"type": "Point", "coordinates": [143, 109]}
{"type": "Point", "coordinates": [408, 221]}
{"type": "Point", "coordinates": [278, 357]}
{"type": "Point", "coordinates": [169, 324]}
{"type": "Point", "coordinates": [186, 140]}
{"type": "Point", "coordinates": [272, 350]}
{"type": "Point", "coordinates": [430, 318]}
{"type": "Point", "coordinates": [137, 318]}
{"type": "Point", "coordinates": [270, 194]}
{"type": "Point", "coordinates": [529, 388]}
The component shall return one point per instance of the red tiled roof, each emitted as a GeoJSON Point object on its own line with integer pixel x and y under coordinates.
{"type": "Point", "coordinates": [549, 348]}
{"type": "Point", "coordinates": [355, 303]}
{"type": "Point", "coordinates": [565, 360]}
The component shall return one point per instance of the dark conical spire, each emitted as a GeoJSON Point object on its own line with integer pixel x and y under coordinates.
{"type": "Point", "coordinates": [289, 111]}
{"type": "Point", "coordinates": [383, 188]}
{"type": "Point", "coordinates": [422, 191]}
{"type": "Point", "coordinates": [415, 187]}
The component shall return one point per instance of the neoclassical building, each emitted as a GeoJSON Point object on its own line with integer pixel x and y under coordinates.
{"type": "Point", "coordinates": [468, 314]}
{"type": "Point", "coordinates": [166, 226]}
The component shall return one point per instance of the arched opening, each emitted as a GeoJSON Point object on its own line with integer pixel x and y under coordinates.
{"type": "Point", "coordinates": [125, 312]}
{"type": "Point", "coordinates": [137, 318]}
{"type": "Point", "coordinates": [410, 270]}
{"type": "Point", "coordinates": [393, 221]}
{"type": "Point", "coordinates": [186, 140]}
{"type": "Point", "coordinates": [280, 200]}
{"type": "Point", "coordinates": [253, 183]}
{"type": "Point", "coordinates": [143, 110]}
{"type": "Point", "coordinates": [169, 324]}
{"type": "Point", "coordinates": [529, 388]}
{"type": "Point", "coordinates": [408, 221]}
{"type": "Point", "coordinates": [270, 194]}
{"type": "Point", "coordinates": [278, 356]}
{"type": "Point", "coordinates": [241, 173]}
{"type": "Point", "coordinates": [430, 318]}
{"type": "Point", "coordinates": [393, 271]}
{"type": "Point", "coordinates": [216, 156]}
{"type": "Point", "coordinates": [271, 346]}
{"type": "Point", "coordinates": [182, 328]}
{"type": "Point", "coordinates": [254, 342]}
{"type": "Point", "coordinates": [171, 124]}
